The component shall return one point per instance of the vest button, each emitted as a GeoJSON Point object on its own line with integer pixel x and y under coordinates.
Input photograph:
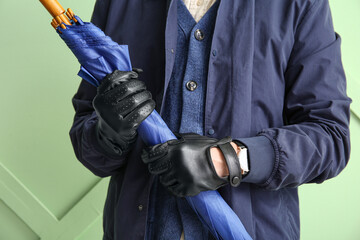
{"type": "Point", "coordinates": [211, 131]}
{"type": "Point", "coordinates": [191, 85]}
{"type": "Point", "coordinates": [199, 35]}
{"type": "Point", "coordinates": [140, 207]}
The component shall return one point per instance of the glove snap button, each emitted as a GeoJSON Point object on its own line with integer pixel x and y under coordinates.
{"type": "Point", "coordinates": [235, 180]}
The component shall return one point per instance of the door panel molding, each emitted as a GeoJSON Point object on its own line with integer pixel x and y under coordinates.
{"type": "Point", "coordinates": [40, 219]}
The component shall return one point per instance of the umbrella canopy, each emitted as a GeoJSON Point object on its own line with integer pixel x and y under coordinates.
{"type": "Point", "coordinates": [96, 52]}
{"type": "Point", "coordinates": [99, 56]}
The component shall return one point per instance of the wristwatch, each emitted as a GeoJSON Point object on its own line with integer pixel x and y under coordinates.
{"type": "Point", "coordinates": [242, 155]}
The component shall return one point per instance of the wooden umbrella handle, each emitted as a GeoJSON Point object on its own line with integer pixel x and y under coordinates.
{"type": "Point", "coordinates": [57, 11]}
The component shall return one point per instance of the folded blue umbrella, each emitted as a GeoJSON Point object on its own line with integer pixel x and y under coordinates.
{"type": "Point", "coordinates": [99, 56]}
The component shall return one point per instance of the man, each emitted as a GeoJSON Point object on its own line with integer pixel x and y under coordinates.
{"type": "Point", "coordinates": [266, 73]}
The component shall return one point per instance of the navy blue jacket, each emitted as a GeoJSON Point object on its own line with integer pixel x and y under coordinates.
{"type": "Point", "coordinates": [275, 82]}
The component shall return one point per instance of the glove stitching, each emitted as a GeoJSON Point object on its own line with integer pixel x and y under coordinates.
{"type": "Point", "coordinates": [160, 167]}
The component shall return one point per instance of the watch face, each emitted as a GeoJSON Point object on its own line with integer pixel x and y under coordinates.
{"type": "Point", "coordinates": [243, 159]}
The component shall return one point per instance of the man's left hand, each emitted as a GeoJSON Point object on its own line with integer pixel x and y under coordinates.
{"type": "Point", "coordinates": [185, 166]}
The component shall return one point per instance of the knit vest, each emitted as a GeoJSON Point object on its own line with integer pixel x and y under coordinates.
{"type": "Point", "coordinates": [184, 112]}
{"type": "Point", "coordinates": [185, 99]}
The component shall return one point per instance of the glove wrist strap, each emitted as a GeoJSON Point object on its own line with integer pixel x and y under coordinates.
{"type": "Point", "coordinates": [232, 162]}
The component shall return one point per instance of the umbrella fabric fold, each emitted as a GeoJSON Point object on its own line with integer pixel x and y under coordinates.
{"type": "Point", "coordinates": [96, 52]}
{"type": "Point", "coordinates": [99, 56]}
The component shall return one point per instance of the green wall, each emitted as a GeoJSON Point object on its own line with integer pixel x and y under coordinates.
{"type": "Point", "coordinates": [44, 191]}
{"type": "Point", "coordinates": [46, 194]}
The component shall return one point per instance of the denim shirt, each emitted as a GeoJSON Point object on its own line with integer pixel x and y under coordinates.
{"type": "Point", "coordinates": [275, 82]}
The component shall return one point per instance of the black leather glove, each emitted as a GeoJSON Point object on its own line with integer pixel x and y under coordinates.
{"type": "Point", "coordinates": [184, 166]}
{"type": "Point", "coordinates": [121, 104]}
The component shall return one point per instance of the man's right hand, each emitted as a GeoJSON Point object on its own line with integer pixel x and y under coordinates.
{"type": "Point", "coordinates": [121, 104]}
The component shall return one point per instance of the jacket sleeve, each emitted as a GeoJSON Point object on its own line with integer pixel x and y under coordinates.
{"type": "Point", "coordinates": [83, 138]}
{"type": "Point", "coordinates": [100, 13]}
{"type": "Point", "coordinates": [314, 144]}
